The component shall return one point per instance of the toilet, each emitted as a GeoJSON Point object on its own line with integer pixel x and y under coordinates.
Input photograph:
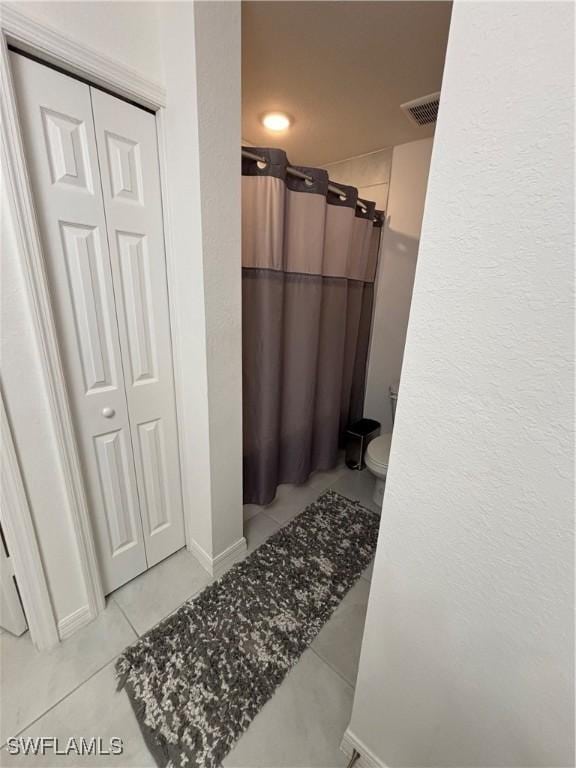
{"type": "Point", "coordinates": [378, 454]}
{"type": "Point", "coordinates": [376, 458]}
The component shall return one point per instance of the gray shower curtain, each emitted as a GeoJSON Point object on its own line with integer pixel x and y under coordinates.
{"type": "Point", "coordinates": [308, 266]}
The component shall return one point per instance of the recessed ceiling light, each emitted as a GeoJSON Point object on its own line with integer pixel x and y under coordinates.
{"type": "Point", "coordinates": [276, 121]}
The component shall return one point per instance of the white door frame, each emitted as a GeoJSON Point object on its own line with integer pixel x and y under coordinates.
{"type": "Point", "coordinates": [63, 52]}
{"type": "Point", "coordinates": [20, 535]}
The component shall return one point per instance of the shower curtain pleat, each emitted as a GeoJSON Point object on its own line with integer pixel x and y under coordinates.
{"type": "Point", "coordinates": [304, 218]}
{"type": "Point", "coordinates": [353, 314]}
{"type": "Point", "coordinates": [329, 380]}
{"type": "Point", "coordinates": [358, 384]}
{"type": "Point", "coordinates": [308, 266]}
{"type": "Point", "coordinates": [262, 323]}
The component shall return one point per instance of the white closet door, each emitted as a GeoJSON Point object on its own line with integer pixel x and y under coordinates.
{"type": "Point", "coordinates": [128, 155]}
{"type": "Point", "coordinates": [57, 123]}
{"type": "Point", "coordinates": [12, 616]}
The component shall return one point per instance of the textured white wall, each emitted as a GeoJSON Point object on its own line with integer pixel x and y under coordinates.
{"type": "Point", "coordinates": [218, 43]}
{"type": "Point", "coordinates": [189, 317]}
{"type": "Point", "coordinates": [468, 655]}
{"type": "Point", "coordinates": [125, 31]}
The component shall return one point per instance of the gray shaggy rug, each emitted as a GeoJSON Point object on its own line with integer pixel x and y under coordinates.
{"type": "Point", "coordinates": [197, 680]}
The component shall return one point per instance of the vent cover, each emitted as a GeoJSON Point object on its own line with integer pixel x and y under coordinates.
{"type": "Point", "coordinates": [424, 110]}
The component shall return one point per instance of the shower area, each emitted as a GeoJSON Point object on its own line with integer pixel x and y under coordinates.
{"type": "Point", "coordinates": [309, 261]}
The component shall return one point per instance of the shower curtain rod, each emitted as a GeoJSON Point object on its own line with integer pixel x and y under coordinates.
{"type": "Point", "coordinates": [300, 175]}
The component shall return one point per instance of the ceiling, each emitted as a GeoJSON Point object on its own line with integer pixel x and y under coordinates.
{"type": "Point", "coordinates": [341, 70]}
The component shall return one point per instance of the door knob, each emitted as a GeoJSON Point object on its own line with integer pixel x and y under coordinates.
{"type": "Point", "coordinates": [108, 412]}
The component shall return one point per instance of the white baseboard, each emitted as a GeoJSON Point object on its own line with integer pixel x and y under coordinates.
{"type": "Point", "coordinates": [217, 565]}
{"type": "Point", "coordinates": [74, 621]}
{"type": "Point", "coordinates": [367, 759]}
{"type": "Point", "coordinates": [203, 557]}
{"type": "Point", "coordinates": [227, 558]}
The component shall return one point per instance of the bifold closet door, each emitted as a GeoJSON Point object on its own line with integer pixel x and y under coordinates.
{"type": "Point", "coordinates": [58, 129]}
{"type": "Point", "coordinates": [95, 301]}
{"type": "Point", "coordinates": [128, 155]}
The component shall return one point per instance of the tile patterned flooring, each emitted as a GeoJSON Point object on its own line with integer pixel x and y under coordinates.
{"type": "Point", "coordinates": [71, 690]}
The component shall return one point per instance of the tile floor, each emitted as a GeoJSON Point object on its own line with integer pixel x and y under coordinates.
{"type": "Point", "coordinates": [71, 690]}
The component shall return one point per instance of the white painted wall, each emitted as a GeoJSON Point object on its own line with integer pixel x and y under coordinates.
{"type": "Point", "coordinates": [203, 139]}
{"type": "Point", "coordinates": [218, 41]}
{"type": "Point", "coordinates": [125, 31]}
{"type": "Point", "coordinates": [184, 210]}
{"type": "Point", "coordinates": [468, 654]}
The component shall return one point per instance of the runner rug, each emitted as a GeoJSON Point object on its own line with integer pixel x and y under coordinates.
{"type": "Point", "coordinates": [197, 680]}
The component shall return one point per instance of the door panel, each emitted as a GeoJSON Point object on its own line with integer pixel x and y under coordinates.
{"type": "Point", "coordinates": [128, 155]}
{"type": "Point", "coordinates": [58, 130]}
{"type": "Point", "coordinates": [116, 479]}
{"type": "Point", "coordinates": [124, 168]}
{"type": "Point", "coordinates": [137, 298]}
{"type": "Point", "coordinates": [67, 150]}
{"type": "Point", "coordinates": [92, 304]}
{"type": "Point", "coordinates": [153, 453]}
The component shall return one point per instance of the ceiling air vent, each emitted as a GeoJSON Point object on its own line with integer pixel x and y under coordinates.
{"type": "Point", "coordinates": [424, 110]}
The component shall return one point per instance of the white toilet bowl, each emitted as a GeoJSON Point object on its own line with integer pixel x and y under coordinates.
{"type": "Point", "coordinates": [377, 455]}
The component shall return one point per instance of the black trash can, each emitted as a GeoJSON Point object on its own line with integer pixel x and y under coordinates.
{"type": "Point", "coordinates": [358, 435]}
